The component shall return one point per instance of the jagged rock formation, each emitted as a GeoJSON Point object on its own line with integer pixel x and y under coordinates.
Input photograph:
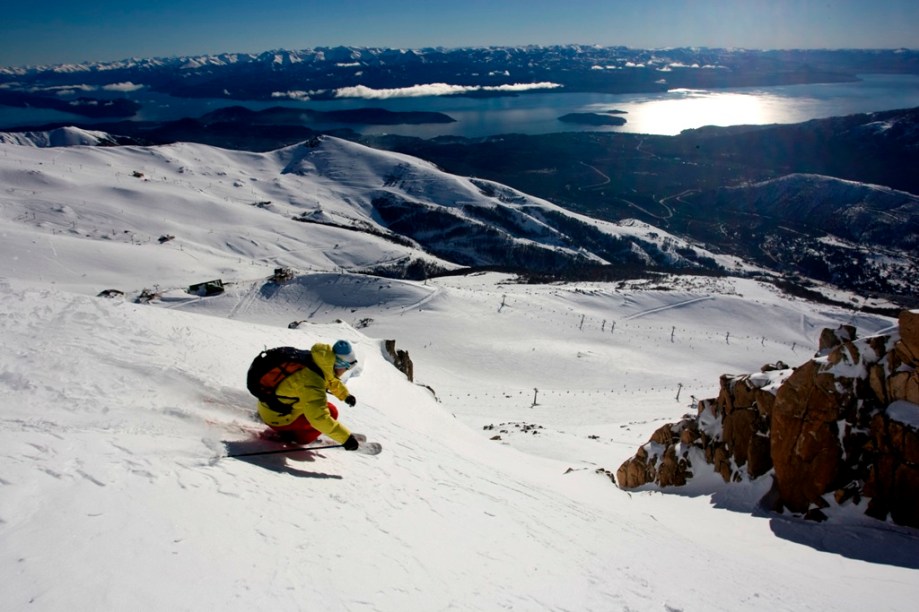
{"type": "Point", "coordinates": [839, 428]}
{"type": "Point", "coordinates": [400, 359]}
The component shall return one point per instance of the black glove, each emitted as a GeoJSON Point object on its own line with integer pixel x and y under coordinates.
{"type": "Point", "coordinates": [351, 443]}
{"type": "Point", "coordinates": [351, 400]}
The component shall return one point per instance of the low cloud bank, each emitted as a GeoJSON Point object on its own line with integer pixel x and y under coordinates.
{"type": "Point", "coordinates": [125, 86]}
{"type": "Point", "coordinates": [71, 90]}
{"type": "Point", "coordinates": [434, 89]}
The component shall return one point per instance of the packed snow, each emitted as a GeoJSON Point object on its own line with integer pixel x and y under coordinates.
{"type": "Point", "coordinates": [116, 492]}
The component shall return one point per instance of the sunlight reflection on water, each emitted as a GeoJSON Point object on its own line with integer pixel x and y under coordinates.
{"type": "Point", "coordinates": [685, 109]}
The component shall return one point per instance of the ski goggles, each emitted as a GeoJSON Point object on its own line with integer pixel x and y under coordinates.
{"type": "Point", "coordinates": [343, 364]}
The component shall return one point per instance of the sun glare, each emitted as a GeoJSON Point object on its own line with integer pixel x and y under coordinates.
{"type": "Point", "coordinates": [685, 109]}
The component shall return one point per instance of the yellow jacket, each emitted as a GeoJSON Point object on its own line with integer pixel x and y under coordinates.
{"type": "Point", "coordinates": [310, 390]}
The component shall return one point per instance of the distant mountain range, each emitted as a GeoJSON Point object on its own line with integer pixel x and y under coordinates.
{"type": "Point", "coordinates": [323, 73]}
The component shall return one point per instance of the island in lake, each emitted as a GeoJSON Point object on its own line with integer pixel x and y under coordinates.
{"type": "Point", "coordinates": [83, 106]}
{"type": "Point", "coordinates": [605, 118]}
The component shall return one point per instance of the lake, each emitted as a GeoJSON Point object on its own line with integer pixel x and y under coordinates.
{"type": "Point", "coordinates": [537, 113]}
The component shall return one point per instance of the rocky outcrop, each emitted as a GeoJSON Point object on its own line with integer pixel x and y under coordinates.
{"type": "Point", "coordinates": [400, 359]}
{"type": "Point", "coordinates": [839, 428]}
{"type": "Point", "coordinates": [729, 433]}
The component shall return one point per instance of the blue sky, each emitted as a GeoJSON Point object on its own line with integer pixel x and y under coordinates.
{"type": "Point", "coordinates": [61, 31]}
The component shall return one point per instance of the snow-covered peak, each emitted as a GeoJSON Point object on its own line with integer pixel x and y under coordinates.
{"type": "Point", "coordinates": [60, 137]}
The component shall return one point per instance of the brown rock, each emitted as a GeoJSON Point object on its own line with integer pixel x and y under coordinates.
{"type": "Point", "coordinates": [726, 397]}
{"type": "Point", "coordinates": [908, 345]}
{"type": "Point", "coordinates": [672, 471]}
{"type": "Point", "coordinates": [722, 462]}
{"type": "Point", "coordinates": [400, 359]}
{"type": "Point", "coordinates": [912, 387]}
{"type": "Point", "coordinates": [902, 442]}
{"type": "Point", "coordinates": [764, 403]}
{"type": "Point", "coordinates": [744, 393]}
{"type": "Point", "coordinates": [878, 344]}
{"type": "Point", "coordinates": [663, 435]}
{"type": "Point", "coordinates": [878, 382]}
{"type": "Point", "coordinates": [759, 460]}
{"type": "Point", "coordinates": [830, 338]}
{"type": "Point", "coordinates": [738, 433]}
{"type": "Point", "coordinates": [846, 352]}
{"type": "Point", "coordinates": [893, 482]}
{"type": "Point", "coordinates": [892, 361]}
{"type": "Point", "coordinates": [634, 473]}
{"type": "Point", "coordinates": [804, 439]}
{"type": "Point", "coordinates": [903, 386]}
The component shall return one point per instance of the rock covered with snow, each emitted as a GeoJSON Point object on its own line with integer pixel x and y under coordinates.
{"type": "Point", "coordinates": [839, 428]}
{"type": "Point", "coordinates": [730, 432]}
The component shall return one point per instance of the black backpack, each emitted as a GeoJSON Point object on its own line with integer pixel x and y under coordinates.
{"type": "Point", "coordinates": [270, 368]}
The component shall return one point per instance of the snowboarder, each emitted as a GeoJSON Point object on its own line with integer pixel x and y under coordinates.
{"type": "Point", "coordinates": [305, 391]}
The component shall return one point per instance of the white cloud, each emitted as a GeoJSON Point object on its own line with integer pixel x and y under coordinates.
{"type": "Point", "coordinates": [125, 86]}
{"type": "Point", "coordinates": [297, 94]}
{"type": "Point", "coordinates": [64, 90]}
{"type": "Point", "coordinates": [434, 89]}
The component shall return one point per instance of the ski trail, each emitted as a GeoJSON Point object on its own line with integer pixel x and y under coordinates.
{"type": "Point", "coordinates": [245, 301]}
{"type": "Point", "coordinates": [668, 307]}
{"type": "Point", "coordinates": [423, 301]}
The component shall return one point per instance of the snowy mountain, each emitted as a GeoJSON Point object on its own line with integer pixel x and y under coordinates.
{"type": "Point", "coordinates": [493, 488]}
{"type": "Point", "coordinates": [858, 212]}
{"type": "Point", "coordinates": [259, 207]}
{"type": "Point", "coordinates": [61, 137]}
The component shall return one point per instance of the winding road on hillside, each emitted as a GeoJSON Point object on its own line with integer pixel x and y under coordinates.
{"type": "Point", "coordinates": [606, 179]}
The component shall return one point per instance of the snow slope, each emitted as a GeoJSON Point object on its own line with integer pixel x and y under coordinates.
{"type": "Point", "coordinates": [115, 494]}
{"type": "Point", "coordinates": [232, 212]}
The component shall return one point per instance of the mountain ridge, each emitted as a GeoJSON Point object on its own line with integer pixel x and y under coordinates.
{"type": "Point", "coordinates": [413, 213]}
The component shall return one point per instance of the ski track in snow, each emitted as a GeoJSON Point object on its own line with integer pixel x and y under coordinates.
{"type": "Point", "coordinates": [667, 307]}
{"type": "Point", "coordinates": [245, 301]}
